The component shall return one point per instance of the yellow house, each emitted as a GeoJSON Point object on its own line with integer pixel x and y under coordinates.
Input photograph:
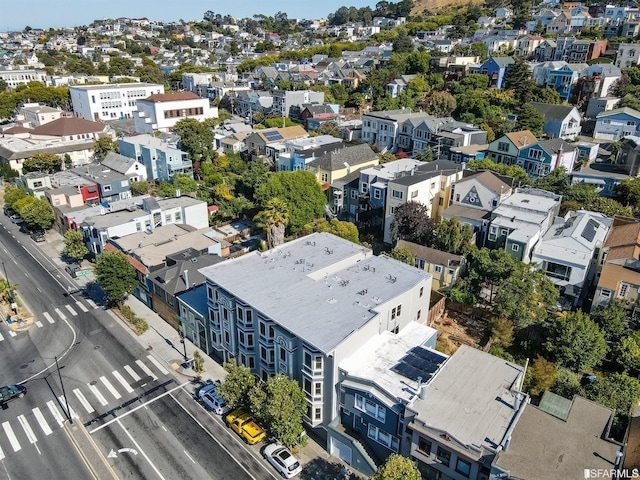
{"type": "Point", "coordinates": [340, 162]}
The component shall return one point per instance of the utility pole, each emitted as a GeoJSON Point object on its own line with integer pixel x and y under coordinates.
{"type": "Point", "coordinates": [68, 412]}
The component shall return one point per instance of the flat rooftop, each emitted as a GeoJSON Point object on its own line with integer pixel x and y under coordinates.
{"type": "Point", "coordinates": [472, 399]}
{"type": "Point", "coordinates": [335, 283]}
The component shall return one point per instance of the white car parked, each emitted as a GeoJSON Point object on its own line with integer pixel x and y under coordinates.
{"type": "Point", "coordinates": [282, 460]}
{"type": "Point", "coordinates": [211, 400]}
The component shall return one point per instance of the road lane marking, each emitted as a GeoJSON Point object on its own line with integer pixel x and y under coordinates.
{"type": "Point", "coordinates": [92, 303]}
{"type": "Point", "coordinates": [189, 456]}
{"type": "Point", "coordinates": [158, 365]}
{"type": "Point", "coordinates": [144, 405]}
{"type": "Point", "coordinates": [12, 333]}
{"type": "Point", "coordinates": [71, 310]}
{"type": "Point", "coordinates": [81, 306]}
{"type": "Point", "coordinates": [71, 411]}
{"type": "Point", "coordinates": [12, 438]}
{"type": "Point", "coordinates": [132, 372]}
{"type": "Point", "coordinates": [98, 395]}
{"type": "Point", "coordinates": [145, 369]}
{"type": "Point", "coordinates": [48, 317]}
{"type": "Point", "coordinates": [60, 314]}
{"type": "Point", "coordinates": [42, 422]}
{"type": "Point", "coordinates": [122, 381]}
{"type": "Point", "coordinates": [55, 412]}
{"type": "Point", "coordinates": [140, 449]}
{"type": "Point", "coordinates": [1, 337]}
{"type": "Point", "coordinates": [107, 384]}
{"type": "Point", "coordinates": [1, 454]}
{"type": "Point", "coordinates": [87, 406]}
{"type": "Point", "coordinates": [38, 324]}
{"type": "Point", "coordinates": [27, 429]}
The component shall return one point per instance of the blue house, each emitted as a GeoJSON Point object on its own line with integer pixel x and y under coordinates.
{"type": "Point", "coordinates": [560, 121]}
{"type": "Point", "coordinates": [564, 78]}
{"type": "Point", "coordinates": [541, 158]}
{"type": "Point", "coordinates": [377, 383]}
{"type": "Point", "coordinates": [496, 69]}
{"type": "Point", "coordinates": [161, 158]}
{"type": "Point", "coordinates": [617, 124]}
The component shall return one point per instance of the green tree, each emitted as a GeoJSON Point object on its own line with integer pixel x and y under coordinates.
{"type": "Point", "coordinates": [411, 222]}
{"type": "Point", "coordinates": [402, 254]}
{"type": "Point", "coordinates": [237, 385]}
{"type": "Point", "coordinates": [451, 235]}
{"type": "Point", "coordinates": [489, 268]}
{"type": "Point", "coordinates": [612, 320]}
{"type": "Point", "coordinates": [403, 43]}
{"type": "Point", "coordinates": [501, 331]}
{"type": "Point", "coordinates": [619, 392]}
{"type": "Point", "coordinates": [273, 219]}
{"type": "Point", "coordinates": [140, 188]}
{"type": "Point", "coordinates": [582, 193]}
{"type": "Point", "coordinates": [196, 138]}
{"type": "Point", "coordinates": [280, 403]}
{"type": "Point", "coordinates": [575, 341]}
{"type": "Point", "coordinates": [116, 276]}
{"type": "Point", "coordinates": [397, 467]}
{"type": "Point", "coordinates": [626, 352]}
{"type": "Point", "coordinates": [301, 192]}
{"type": "Point", "coordinates": [541, 376]}
{"type": "Point", "coordinates": [102, 147]}
{"type": "Point", "coordinates": [149, 72]}
{"type": "Point", "coordinates": [529, 119]}
{"type": "Point", "coordinates": [180, 182]}
{"type": "Point", "coordinates": [74, 246]}
{"type": "Point", "coordinates": [43, 162]}
{"type": "Point", "coordinates": [339, 228]}
{"type": "Point", "coordinates": [37, 213]}
{"type": "Point", "coordinates": [628, 192]}
{"type": "Point", "coordinates": [442, 104]}
{"type": "Point", "coordinates": [12, 194]}
{"type": "Point", "coordinates": [609, 207]}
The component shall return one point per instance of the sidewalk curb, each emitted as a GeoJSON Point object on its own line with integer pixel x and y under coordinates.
{"type": "Point", "coordinates": [103, 471]}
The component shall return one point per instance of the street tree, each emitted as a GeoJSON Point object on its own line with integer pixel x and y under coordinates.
{"type": "Point", "coordinates": [43, 162]}
{"type": "Point", "coordinates": [104, 146]}
{"type": "Point", "coordinates": [74, 246]}
{"type": "Point", "coordinates": [116, 276]}
{"type": "Point", "coordinates": [575, 341]}
{"type": "Point", "coordinates": [451, 235]}
{"type": "Point", "coordinates": [12, 194]}
{"type": "Point", "coordinates": [301, 192]}
{"type": "Point", "coordinates": [37, 213]}
{"type": "Point", "coordinates": [280, 403]}
{"type": "Point", "coordinates": [273, 219]}
{"type": "Point", "coordinates": [237, 385]}
{"type": "Point", "coordinates": [412, 223]}
{"type": "Point", "coordinates": [397, 467]}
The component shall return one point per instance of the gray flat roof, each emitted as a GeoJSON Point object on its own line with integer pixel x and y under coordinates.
{"type": "Point", "coordinates": [471, 399]}
{"type": "Point", "coordinates": [310, 286]}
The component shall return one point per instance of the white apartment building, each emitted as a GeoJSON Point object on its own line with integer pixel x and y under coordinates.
{"type": "Point", "coordinates": [161, 111]}
{"type": "Point", "coordinates": [303, 307]}
{"type": "Point", "coordinates": [110, 101]}
{"type": "Point", "coordinates": [628, 55]}
{"type": "Point", "coordinates": [37, 114]}
{"type": "Point", "coordinates": [22, 77]}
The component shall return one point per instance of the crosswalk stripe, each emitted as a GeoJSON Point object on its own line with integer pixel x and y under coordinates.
{"type": "Point", "coordinates": [27, 429]}
{"type": "Point", "coordinates": [132, 372]}
{"type": "Point", "coordinates": [71, 412]}
{"type": "Point", "coordinates": [42, 422]}
{"type": "Point", "coordinates": [122, 381]}
{"type": "Point", "coordinates": [48, 317]}
{"type": "Point", "coordinates": [38, 324]}
{"type": "Point", "coordinates": [1, 337]}
{"type": "Point", "coordinates": [55, 412]}
{"type": "Point", "coordinates": [60, 314]}
{"type": "Point", "coordinates": [146, 369]}
{"type": "Point", "coordinates": [158, 365]}
{"type": "Point", "coordinates": [12, 333]}
{"type": "Point", "coordinates": [87, 406]}
{"type": "Point", "coordinates": [1, 454]}
{"type": "Point", "coordinates": [71, 310]}
{"type": "Point", "coordinates": [81, 306]}
{"type": "Point", "coordinates": [12, 437]}
{"type": "Point", "coordinates": [107, 384]}
{"type": "Point", "coordinates": [98, 395]}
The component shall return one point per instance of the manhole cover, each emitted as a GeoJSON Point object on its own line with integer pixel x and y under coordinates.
{"type": "Point", "coordinates": [96, 347]}
{"type": "Point", "coordinates": [93, 383]}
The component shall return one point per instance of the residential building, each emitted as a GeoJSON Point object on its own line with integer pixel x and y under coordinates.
{"type": "Point", "coordinates": [394, 87]}
{"type": "Point", "coordinates": [284, 100]}
{"type": "Point", "coordinates": [541, 158]}
{"type": "Point", "coordinates": [161, 159]}
{"type": "Point", "coordinates": [299, 152]}
{"type": "Point", "coordinates": [568, 252]}
{"type": "Point", "coordinates": [619, 263]}
{"type": "Point", "coordinates": [337, 163]}
{"type": "Point", "coordinates": [110, 101]}
{"type": "Point", "coordinates": [429, 184]}
{"type": "Point", "coordinates": [130, 167]}
{"type": "Point", "coordinates": [464, 155]}
{"type": "Point", "coordinates": [599, 105]}
{"type": "Point", "coordinates": [256, 318]}
{"type": "Point", "coordinates": [464, 416]}
{"type": "Point", "coordinates": [382, 129]}
{"type": "Point", "coordinates": [35, 114]}
{"type": "Point", "coordinates": [496, 69]}
{"type": "Point", "coordinates": [563, 79]}
{"type": "Point", "coordinates": [616, 124]}
{"type": "Point", "coordinates": [161, 111]}
{"type": "Point", "coordinates": [111, 185]}
{"type": "Point", "coordinates": [474, 197]}
{"type": "Point", "coordinates": [596, 81]}
{"type": "Point", "coordinates": [15, 78]}
{"type": "Point", "coordinates": [560, 121]}
{"type": "Point", "coordinates": [627, 159]}
{"type": "Point", "coordinates": [444, 267]}
{"type": "Point", "coordinates": [628, 55]}
{"type": "Point", "coordinates": [270, 141]}
{"type": "Point", "coordinates": [506, 149]}
{"type": "Point", "coordinates": [199, 83]}
{"type": "Point", "coordinates": [35, 183]}
{"type": "Point", "coordinates": [521, 220]}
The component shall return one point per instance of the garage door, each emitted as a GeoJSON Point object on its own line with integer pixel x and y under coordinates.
{"type": "Point", "coordinates": [341, 450]}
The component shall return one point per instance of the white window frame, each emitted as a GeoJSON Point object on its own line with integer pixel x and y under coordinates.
{"type": "Point", "coordinates": [370, 407]}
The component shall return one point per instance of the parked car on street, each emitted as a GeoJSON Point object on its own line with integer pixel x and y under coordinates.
{"type": "Point", "coordinates": [9, 392]}
{"type": "Point", "coordinates": [211, 400]}
{"type": "Point", "coordinates": [38, 237]}
{"type": "Point", "coordinates": [243, 424]}
{"type": "Point", "coordinates": [282, 460]}
{"type": "Point", "coordinates": [15, 218]}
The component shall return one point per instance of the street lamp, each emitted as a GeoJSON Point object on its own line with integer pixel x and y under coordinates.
{"type": "Point", "coordinates": [184, 344]}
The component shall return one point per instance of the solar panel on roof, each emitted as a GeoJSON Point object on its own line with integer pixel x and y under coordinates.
{"type": "Point", "coordinates": [590, 229]}
{"type": "Point", "coordinates": [271, 136]}
{"type": "Point", "coordinates": [419, 362]}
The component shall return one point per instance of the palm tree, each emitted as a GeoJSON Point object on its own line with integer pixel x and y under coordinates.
{"type": "Point", "coordinates": [274, 218]}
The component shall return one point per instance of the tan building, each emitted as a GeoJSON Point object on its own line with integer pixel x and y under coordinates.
{"type": "Point", "coordinates": [341, 162]}
{"type": "Point", "coordinates": [444, 267]}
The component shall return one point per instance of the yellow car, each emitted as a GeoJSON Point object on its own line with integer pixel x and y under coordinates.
{"type": "Point", "coordinates": [243, 424]}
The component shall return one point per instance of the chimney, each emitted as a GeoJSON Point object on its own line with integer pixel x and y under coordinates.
{"type": "Point", "coordinates": [185, 277]}
{"type": "Point", "coordinates": [559, 157]}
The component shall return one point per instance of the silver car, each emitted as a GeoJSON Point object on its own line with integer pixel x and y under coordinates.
{"type": "Point", "coordinates": [211, 400]}
{"type": "Point", "coordinates": [282, 460]}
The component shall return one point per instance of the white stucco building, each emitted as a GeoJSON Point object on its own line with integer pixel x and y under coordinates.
{"type": "Point", "coordinates": [110, 101]}
{"type": "Point", "coordinates": [160, 112]}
